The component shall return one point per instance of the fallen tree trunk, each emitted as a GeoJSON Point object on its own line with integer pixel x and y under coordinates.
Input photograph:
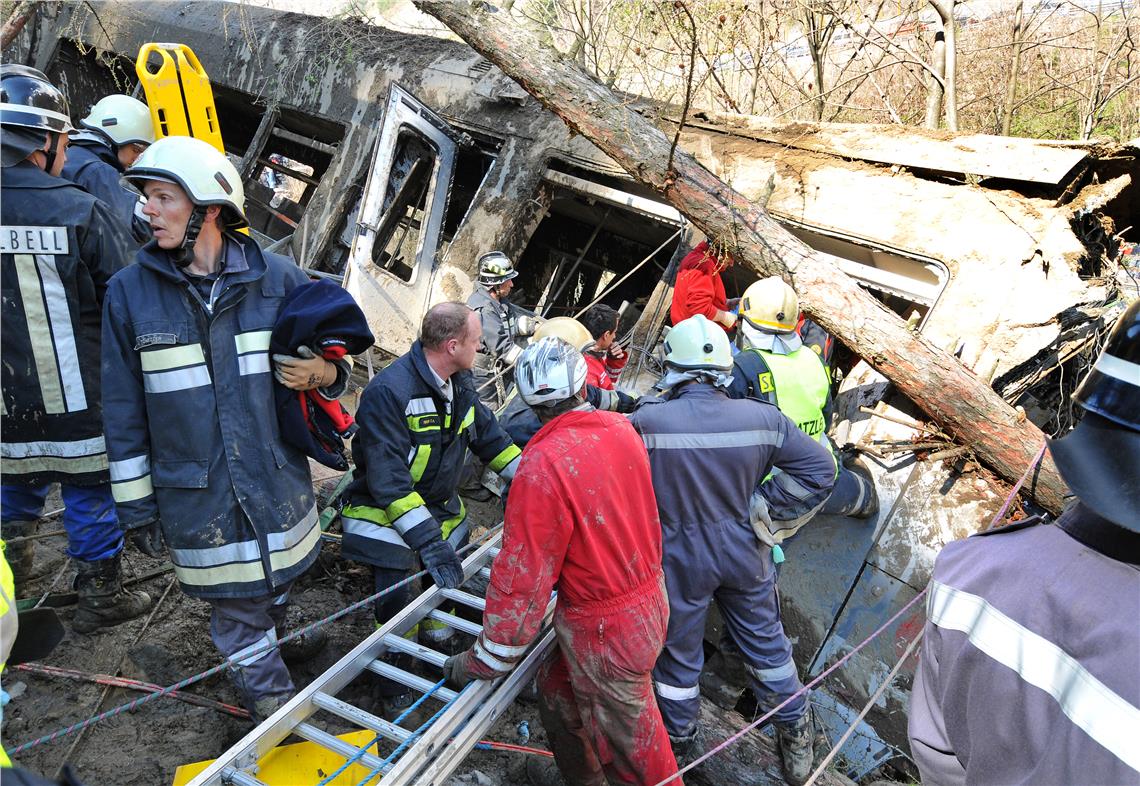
{"type": "Point", "coordinates": [962, 404]}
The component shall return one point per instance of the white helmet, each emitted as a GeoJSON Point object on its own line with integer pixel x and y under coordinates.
{"type": "Point", "coordinates": [124, 120]}
{"type": "Point", "coordinates": [568, 329]}
{"type": "Point", "coordinates": [697, 343]}
{"type": "Point", "coordinates": [549, 372]}
{"type": "Point", "coordinates": [205, 174]}
{"type": "Point", "coordinates": [495, 267]}
{"type": "Point", "coordinates": [770, 305]}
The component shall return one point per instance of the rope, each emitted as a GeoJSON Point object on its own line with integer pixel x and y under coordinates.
{"type": "Point", "coordinates": [132, 705]}
{"type": "Point", "coordinates": [1017, 486]}
{"type": "Point", "coordinates": [764, 718]}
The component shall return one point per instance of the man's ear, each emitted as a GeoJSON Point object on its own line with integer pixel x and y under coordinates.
{"type": "Point", "coordinates": [212, 214]}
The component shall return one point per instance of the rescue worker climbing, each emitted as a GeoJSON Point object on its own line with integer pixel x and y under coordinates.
{"type": "Point", "coordinates": [115, 132]}
{"type": "Point", "coordinates": [502, 323]}
{"type": "Point", "coordinates": [519, 419]}
{"type": "Point", "coordinates": [707, 453]}
{"type": "Point", "coordinates": [605, 357]}
{"type": "Point", "coordinates": [580, 516]}
{"type": "Point", "coordinates": [60, 247]}
{"type": "Point", "coordinates": [774, 366]}
{"type": "Point", "coordinates": [1030, 652]}
{"type": "Point", "coordinates": [418, 418]}
{"type": "Point", "coordinates": [196, 456]}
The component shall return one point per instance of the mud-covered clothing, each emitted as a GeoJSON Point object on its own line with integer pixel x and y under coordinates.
{"type": "Point", "coordinates": [497, 350]}
{"type": "Point", "coordinates": [93, 166]}
{"type": "Point", "coordinates": [239, 627]}
{"type": "Point", "coordinates": [603, 370]}
{"type": "Point", "coordinates": [698, 292]}
{"type": "Point", "coordinates": [708, 452]}
{"type": "Point", "coordinates": [93, 531]}
{"type": "Point", "coordinates": [409, 455]}
{"type": "Point", "coordinates": [1028, 666]}
{"type": "Point", "coordinates": [596, 697]}
{"type": "Point", "coordinates": [191, 426]}
{"type": "Point", "coordinates": [522, 424]}
{"type": "Point", "coordinates": [59, 247]}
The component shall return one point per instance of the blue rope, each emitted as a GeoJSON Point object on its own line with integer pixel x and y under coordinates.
{"type": "Point", "coordinates": [357, 756]}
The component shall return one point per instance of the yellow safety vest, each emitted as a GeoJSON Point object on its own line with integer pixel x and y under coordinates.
{"type": "Point", "coordinates": [8, 622]}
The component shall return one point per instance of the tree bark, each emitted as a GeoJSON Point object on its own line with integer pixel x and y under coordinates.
{"type": "Point", "coordinates": [935, 94]}
{"type": "Point", "coordinates": [961, 403]}
{"type": "Point", "coordinates": [1009, 102]}
{"type": "Point", "coordinates": [15, 23]}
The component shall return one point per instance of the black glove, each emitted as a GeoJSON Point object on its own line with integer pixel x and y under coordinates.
{"type": "Point", "coordinates": [455, 670]}
{"type": "Point", "coordinates": [442, 563]}
{"type": "Point", "coordinates": [148, 539]}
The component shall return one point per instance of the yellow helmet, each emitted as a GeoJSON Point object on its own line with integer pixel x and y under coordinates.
{"type": "Point", "coordinates": [568, 329]}
{"type": "Point", "coordinates": [770, 305]}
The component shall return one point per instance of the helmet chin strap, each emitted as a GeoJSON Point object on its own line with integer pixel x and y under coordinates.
{"type": "Point", "coordinates": [53, 145]}
{"type": "Point", "coordinates": [184, 254]}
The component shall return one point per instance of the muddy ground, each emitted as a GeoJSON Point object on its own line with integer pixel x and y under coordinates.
{"type": "Point", "coordinates": [147, 745]}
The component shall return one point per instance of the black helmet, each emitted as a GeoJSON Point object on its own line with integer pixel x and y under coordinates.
{"type": "Point", "coordinates": [1100, 459]}
{"type": "Point", "coordinates": [29, 100]}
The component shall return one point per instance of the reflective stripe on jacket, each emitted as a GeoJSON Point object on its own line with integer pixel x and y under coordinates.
{"type": "Point", "coordinates": [60, 247]}
{"type": "Point", "coordinates": [192, 428]}
{"type": "Point", "coordinates": [409, 455]}
{"type": "Point", "coordinates": [498, 335]}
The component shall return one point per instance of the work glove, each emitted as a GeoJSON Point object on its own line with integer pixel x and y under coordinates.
{"type": "Point", "coordinates": [442, 563]}
{"type": "Point", "coordinates": [148, 539]}
{"type": "Point", "coordinates": [525, 325]}
{"type": "Point", "coordinates": [304, 372]}
{"type": "Point", "coordinates": [456, 671]}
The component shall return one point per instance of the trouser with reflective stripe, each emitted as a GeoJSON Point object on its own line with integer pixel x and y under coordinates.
{"type": "Point", "coordinates": [726, 564]}
{"type": "Point", "coordinates": [851, 495]}
{"type": "Point", "coordinates": [242, 625]}
{"type": "Point", "coordinates": [89, 517]}
{"type": "Point", "coordinates": [596, 696]}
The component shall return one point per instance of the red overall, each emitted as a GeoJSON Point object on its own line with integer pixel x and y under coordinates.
{"type": "Point", "coordinates": [582, 515]}
{"type": "Point", "coordinates": [698, 289]}
{"type": "Point", "coordinates": [603, 370]}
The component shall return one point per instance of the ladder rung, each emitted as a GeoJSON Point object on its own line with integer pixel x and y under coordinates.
{"type": "Point", "coordinates": [411, 680]}
{"type": "Point", "coordinates": [340, 747]}
{"type": "Point", "coordinates": [452, 621]}
{"type": "Point", "coordinates": [494, 551]}
{"type": "Point", "coordinates": [466, 598]}
{"type": "Point", "coordinates": [241, 778]}
{"type": "Point", "coordinates": [416, 650]}
{"type": "Point", "coordinates": [359, 717]}
{"type": "Point", "coordinates": [484, 573]}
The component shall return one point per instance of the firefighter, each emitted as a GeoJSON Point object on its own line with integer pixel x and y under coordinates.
{"type": "Point", "coordinates": [581, 515]}
{"type": "Point", "coordinates": [418, 418]}
{"type": "Point", "coordinates": [605, 358]}
{"type": "Point", "coordinates": [60, 247]}
{"type": "Point", "coordinates": [1031, 647]}
{"type": "Point", "coordinates": [115, 132]}
{"type": "Point", "coordinates": [700, 290]}
{"type": "Point", "coordinates": [707, 452]}
{"type": "Point", "coordinates": [776, 367]}
{"type": "Point", "coordinates": [519, 419]}
{"type": "Point", "coordinates": [196, 454]}
{"type": "Point", "coordinates": [502, 323]}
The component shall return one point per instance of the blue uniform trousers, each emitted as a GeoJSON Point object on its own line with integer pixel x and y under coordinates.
{"type": "Point", "coordinates": [726, 564]}
{"type": "Point", "coordinates": [93, 531]}
{"type": "Point", "coordinates": [243, 625]}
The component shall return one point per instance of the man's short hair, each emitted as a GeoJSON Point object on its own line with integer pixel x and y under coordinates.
{"type": "Point", "coordinates": [599, 319]}
{"type": "Point", "coordinates": [443, 322]}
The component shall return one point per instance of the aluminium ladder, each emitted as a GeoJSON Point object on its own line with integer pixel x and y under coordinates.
{"type": "Point", "coordinates": [427, 760]}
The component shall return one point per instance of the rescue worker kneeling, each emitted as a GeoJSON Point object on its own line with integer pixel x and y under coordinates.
{"type": "Point", "coordinates": [581, 514]}
{"type": "Point", "coordinates": [707, 453]}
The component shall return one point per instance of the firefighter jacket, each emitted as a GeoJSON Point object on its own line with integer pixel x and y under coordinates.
{"type": "Point", "coordinates": [59, 247]}
{"type": "Point", "coordinates": [1028, 666]}
{"type": "Point", "coordinates": [191, 424]}
{"type": "Point", "coordinates": [699, 427]}
{"type": "Point", "coordinates": [797, 383]}
{"type": "Point", "coordinates": [602, 370]}
{"type": "Point", "coordinates": [497, 318]}
{"type": "Point", "coordinates": [581, 516]}
{"type": "Point", "coordinates": [409, 455]}
{"type": "Point", "coordinates": [93, 166]}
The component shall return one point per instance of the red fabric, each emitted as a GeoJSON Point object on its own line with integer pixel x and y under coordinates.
{"type": "Point", "coordinates": [698, 292]}
{"type": "Point", "coordinates": [603, 372]}
{"type": "Point", "coordinates": [339, 416]}
{"type": "Point", "coordinates": [596, 695]}
{"type": "Point", "coordinates": [582, 514]}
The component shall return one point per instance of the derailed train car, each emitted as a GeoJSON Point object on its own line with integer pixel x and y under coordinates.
{"type": "Point", "coordinates": [392, 161]}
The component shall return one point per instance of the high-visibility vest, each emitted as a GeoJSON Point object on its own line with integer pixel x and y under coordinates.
{"type": "Point", "coordinates": [8, 623]}
{"type": "Point", "coordinates": [798, 384]}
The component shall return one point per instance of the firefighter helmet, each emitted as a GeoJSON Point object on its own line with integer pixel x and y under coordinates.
{"type": "Point", "coordinates": [495, 267]}
{"type": "Point", "coordinates": [549, 372]}
{"type": "Point", "coordinates": [568, 329]}
{"type": "Point", "coordinates": [122, 119]}
{"type": "Point", "coordinates": [697, 343]}
{"type": "Point", "coordinates": [1099, 458]}
{"type": "Point", "coordinates": [206, 175]}
{"type": "Point", "coordinates": [770, 305]}
{"type": "Point", "coordinates": [29, 100]}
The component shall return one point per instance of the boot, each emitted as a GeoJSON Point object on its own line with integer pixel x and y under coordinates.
{"type": "Point", "coordinates": [267, 705]}
{"type": "Point", "coordinates": [102, 600]}
{"type": "Point", "coordinates": [795, 743]}
{"type": "Point", "coordinates": [22, 554]}
{"type": "Point", "coordinates": [686, 747]}
{"type": "Point", "coordinates": [870, 499]}
{"type": "Point", "coordinates": [303, 648]}
{"type": "Point", "coordinates": [542, 771]}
